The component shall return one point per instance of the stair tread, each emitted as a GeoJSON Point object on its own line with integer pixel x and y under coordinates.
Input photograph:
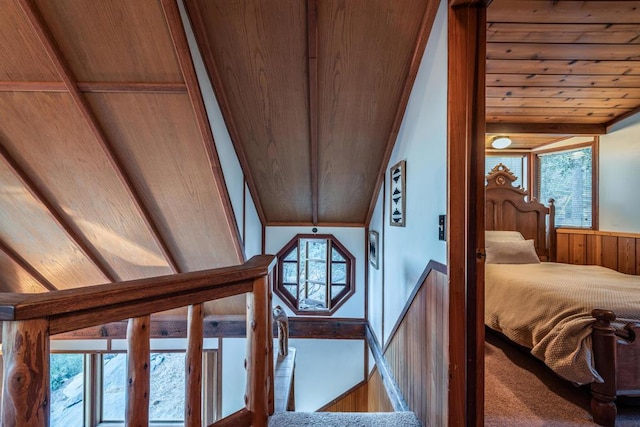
{"type": "Point", "coordinates": [344, 419]}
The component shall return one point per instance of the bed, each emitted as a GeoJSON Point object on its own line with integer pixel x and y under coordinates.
{"type": "Point", "coordinates": [581, 321]}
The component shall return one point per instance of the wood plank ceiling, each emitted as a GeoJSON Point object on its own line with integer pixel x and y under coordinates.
{"type": "Point", "coordinates": [561, 67]}
{"type": "Point", "coordinates": [107, 165]}
{"type": "Point", "coordinates": [313, 94]}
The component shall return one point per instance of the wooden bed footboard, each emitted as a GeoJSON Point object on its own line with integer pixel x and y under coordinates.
{"type": "Point", "coordinates": [617, 360]}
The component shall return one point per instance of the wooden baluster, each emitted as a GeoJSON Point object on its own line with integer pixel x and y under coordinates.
{"type": "Point", "coordinates": [193, 367]}
{"type": "Point", "coordinates": [257, 362]}
{"type": "Point", "coordinates": [603, 395]}
{"type": "Point", "coordinates": [25, 395]}
{"type": "Point", "coordinates": [138, 379]}
{"type": "Point", "coordinates": [271, 401]}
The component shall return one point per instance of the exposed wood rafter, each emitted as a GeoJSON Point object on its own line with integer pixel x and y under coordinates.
{"type": "Point", "coordinates": [181, 46]}
{"type": "Point", "coordinates": [105, 87]}
{"type": "Point", "coordinates": [26, 266]}
{"type": "Point", "coordinates": [312, 40]}
{"type": "Point", "coordinates": [577, 129]}
{"type": "Point", "coordinates": [416, 57]}
{"type": "Point", "coordinates": [199, 28]}
{"type": "Point", "coordinates": [57, 214]}
{"type": "Point", "coordinates": [55, 55]}
{"type": "Point", "coordinates": [622, 117]}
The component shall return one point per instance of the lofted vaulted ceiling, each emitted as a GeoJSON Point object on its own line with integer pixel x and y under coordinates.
{"type": "Point", "coordinates": [108, 167]}
{"type": "Point", "coordinates": [561, 67]}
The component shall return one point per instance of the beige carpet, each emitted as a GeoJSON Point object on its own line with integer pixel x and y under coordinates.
{"type": "Point", "coordinates": [520, 390]}
{"type": "Point", "coordinates": [341, 419]}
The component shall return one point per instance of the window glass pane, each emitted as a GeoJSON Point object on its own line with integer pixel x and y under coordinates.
{"type": "Point", "coordinates": [67, 390]}
{"type": "Point", "coordinates": [293, 255]}
{"type": "Point", "coordinates": [317, 271]}
{"type": "Point", "coordinates": [336, 256]}
{"type": "Point", "coordinates": [338, 272]}
{"type": "Point", "coordinates": [516, 164]}
{"type": "Point", "coordinates": [292, 289]}
{"type": "Point", "coordinates": [566, 177]}
{"type": "Point", "coordinates": [114, 380]}
{"type": "Point", "coordinates": [317, 249]}
{"type": "Point", "coordinates": [313, 297]}
{"type": "Point", "coordinates": [290, 272]}
{"type": "Point", "coordinates": [166, 397]}
{"type": "Point", "coordinates": [335, 290]}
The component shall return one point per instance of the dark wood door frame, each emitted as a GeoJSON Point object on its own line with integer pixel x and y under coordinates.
{"type": "Point", "coordinates": [465, 168]}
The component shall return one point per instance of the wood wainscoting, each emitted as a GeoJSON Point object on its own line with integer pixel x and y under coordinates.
{"type": "Point", "coordinates": [618, 251]}
{"type": "Point", "coordinates": [368, 396]}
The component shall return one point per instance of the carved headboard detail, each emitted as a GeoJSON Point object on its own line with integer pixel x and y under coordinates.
{"type": "Point", "coordinates": [507, 209]}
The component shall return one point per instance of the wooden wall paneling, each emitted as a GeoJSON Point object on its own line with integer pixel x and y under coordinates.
{"type": "Point", "coordinates": [176, 28]}
{"type": "Point", "coordinates": [59, 217]}
{"type": "Point", "coordinates": [566, 92]}
{"type": "Point", "coordinates": [28, 229]}
{"type": "Point", "coordinates": [174, 178]}
{"type": "Point", "coordinates": [627, 255]}
{"type": "Point", "coordinates": [558, 51]}
{"type": "Point", "coordinates": [377, 400]}
{"type": "Point", "coordinates": [416, 59]}
{"type": "Point", "coordinates": [598, 12]}
{"type": "Point", "coordinates": [549, 118]}
{"type": "Point", "coordinates": [567, 112]}
{"type": "Point", "coordinates": [561, 80]}
{"type": "Point", "coordinates": [637, 256]}
{"type": "Point", "coordinates": [70, 168]}
{"type": "Point", "coordinates": [15, 278]}
{"type": "Point", "coordinates": [30, 86]}
{"type": "Point", "coordinates": [355, 399]}
{"type": "Point", "coordinates": [355, 124]}
{"type": "Point", "coordinates": [594, 249]}
{"type": "Point", "coordinates": [23, 58]}
{"type": "Point", "coordinates": [46, 38]}
{"type": "Point", "coordinates": [560, 103]}
{"type": "Point", "coordinates": [562, 248]}
{"type": "Point", "coordinates": [577, 249]}
{"type": "Point", "coordinates": [264, 81]}
{"type": "Point", "coordinates": [610, 252]}
{"type": "Point", "coordinates": [115, 40]}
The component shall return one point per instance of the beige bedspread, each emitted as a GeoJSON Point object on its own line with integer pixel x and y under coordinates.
{"type": "Point", "coordinates": [546, 307]}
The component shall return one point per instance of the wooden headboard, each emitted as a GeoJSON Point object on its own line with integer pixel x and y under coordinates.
{"type": "Point", "coordinates": [507, 209]}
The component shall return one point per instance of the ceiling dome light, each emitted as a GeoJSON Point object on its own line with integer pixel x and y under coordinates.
{"type": "Point", "coordinates": [501, 142]}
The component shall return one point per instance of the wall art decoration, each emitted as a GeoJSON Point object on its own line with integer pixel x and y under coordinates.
{"type": "Point", "coordinates": [398, 193]}
{"type": "Point", "coordinates": [373, 249]}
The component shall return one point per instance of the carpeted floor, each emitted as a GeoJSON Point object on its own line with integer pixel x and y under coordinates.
{"type": "Point", "coordinates": [339, 419]}
{"type": "Point", "coordinates": [520, 390]}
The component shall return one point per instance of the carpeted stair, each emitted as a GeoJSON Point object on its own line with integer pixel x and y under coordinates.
{"type": "Point", "coordinates": [344, 419]}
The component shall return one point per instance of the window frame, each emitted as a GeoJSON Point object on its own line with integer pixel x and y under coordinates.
{"type": "Point", "coordinates": [594, 145]}
{"type": "Point", "coordinates": [334, 302]}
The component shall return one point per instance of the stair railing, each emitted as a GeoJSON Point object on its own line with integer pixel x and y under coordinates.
{"type": "Point", "coordinates": [30, 319]}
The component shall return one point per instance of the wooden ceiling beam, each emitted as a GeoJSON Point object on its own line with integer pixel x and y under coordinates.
{"type": "Point", "coordinates": [199, 29]}
{"type": "Point", "coordinates": [55, 55]}
{"type": "Point", "coordinates": [96, 87]}
{"type": "Point", "coordinates": [181, 47]}
{"type": "Point", "coordinates": [416, 57]}
{"type": "Point", "coordinates": [575, 129]}
{"type": "Point", "coordinates": [621, 117]}
{"type": "Point", "coordinates": [58, 216]}
{"type": "Point", "coordinates": [15, 257]}
{"type": "Point", "coordinates": [312, 41]}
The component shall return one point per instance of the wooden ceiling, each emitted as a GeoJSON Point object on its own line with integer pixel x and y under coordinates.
{"type": "Point", "coordinates": [561, 67]}
{"type": "Point", "coordinates": [313, 93]}
{"type": "Point", "coordinates": [107, 166]}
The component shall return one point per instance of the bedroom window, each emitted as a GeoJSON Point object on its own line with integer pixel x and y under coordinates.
{"type": "Point", "coordinates": [567, 177]}
{"type": "Point", "coordinates": [517, 164]}
{"type": "Point", "coordinates": [315, 274]}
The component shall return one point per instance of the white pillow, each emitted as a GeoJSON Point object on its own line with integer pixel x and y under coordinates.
{"type": "Point", "coordinates": [502, 236]}
{"type": "Point", "coordinates": [512, 252]}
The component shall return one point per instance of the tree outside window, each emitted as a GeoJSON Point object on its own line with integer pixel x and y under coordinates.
{"type": "Point", "coordinates": [315, 274]}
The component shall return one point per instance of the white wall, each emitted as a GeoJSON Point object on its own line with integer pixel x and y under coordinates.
{"type": "Point", "coordinates": [352, 238]}
{"type": "Point", "coordinates": [619, 177]}
{"type": "Point", "coordinates": [234, 376]}
{"type": "Point", "coordinates": [422, 142]}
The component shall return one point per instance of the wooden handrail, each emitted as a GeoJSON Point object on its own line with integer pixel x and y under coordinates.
{"type": "Point", "coordinates": [72, 309]}
{"type": "Point", "coordinates": [29, 320]}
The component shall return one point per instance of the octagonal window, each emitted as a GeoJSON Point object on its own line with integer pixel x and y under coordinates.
{"type": "Point", "coordinates": [315, 274]}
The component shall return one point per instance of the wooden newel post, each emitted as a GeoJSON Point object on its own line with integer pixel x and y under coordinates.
{"type": "Point", "coordinates": [25, 389]}
{"type": "Point", "coordinates": [138, 372]}
{"type": "Point", "coordinates": [603, 407]}
{"type": "Point", "coordinates": [259, 361]}
{"type": "Point", "coordinates": [193, 367]}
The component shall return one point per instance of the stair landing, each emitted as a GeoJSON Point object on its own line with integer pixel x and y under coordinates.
{"type": "Point", "coordinates": [344, 419]}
